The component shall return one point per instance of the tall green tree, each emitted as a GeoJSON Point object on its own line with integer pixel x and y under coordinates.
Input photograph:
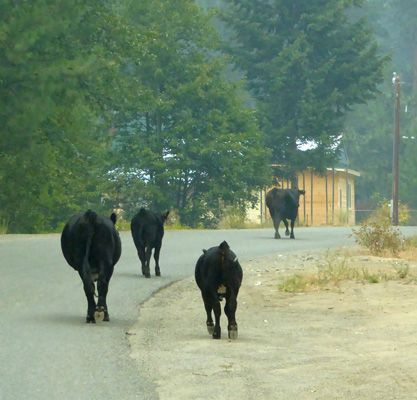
{"type": "Point", "coordinates": [307, 64]}
{"type": "Point", "coordinates": [58, 65]}
{"type": "Point", "coordinates": [370, 128]}
{"type": "Point", "coordinates": [188, 138]}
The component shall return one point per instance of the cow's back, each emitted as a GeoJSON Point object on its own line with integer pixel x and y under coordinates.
{"type": "Point", "coordinates": [106, 241]}
{"type": "Point", "coordinates": [74, 239]}
{"type": "Point", "coordinates": [283, 201]}
{"type": "Point", "coordinates": [212, 271]}
{"type": "Point", "coordinates": [146, 228]}
{"type": "Point", "coordinates": [90, 229]}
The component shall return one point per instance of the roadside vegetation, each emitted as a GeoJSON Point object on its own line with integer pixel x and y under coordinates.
{"type": "Point", "coordinates": [378, 240]}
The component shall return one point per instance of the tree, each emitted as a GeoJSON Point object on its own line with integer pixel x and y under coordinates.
{"type": "Point", "coordinates": [370, 128]}
{"type": "Point", "coordinates": [187, 138]}
{"type": "Point", "coordinates": [59, 62]}
{"type": "Point", "coordinates": [307, 64]}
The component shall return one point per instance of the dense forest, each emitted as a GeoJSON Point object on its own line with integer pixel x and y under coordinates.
{"type": "Point", "coordinates": [185, 105]}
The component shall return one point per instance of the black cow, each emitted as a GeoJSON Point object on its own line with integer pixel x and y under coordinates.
{"type": "Point", "coordinates": [283, 204]}
{"type": "Point", "coordinates": [219, 275]}
{"type": "Point", "coordinates": [91, 245]}
{"type": "Point", "coordinates": [147, 231]}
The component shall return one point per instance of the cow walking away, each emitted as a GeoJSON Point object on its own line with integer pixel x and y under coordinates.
{"type": "Point", "coordinates": [219, 275]}
{"type": "Point", "coordinates": [91, 245]}
{"type": "Point", "coordinates": [147, 231]}
{"type": "Point", "coordinates": [283, 204]}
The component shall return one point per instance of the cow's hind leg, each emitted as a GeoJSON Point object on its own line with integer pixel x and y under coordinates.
{"type": "Point", "coordinates": [147, 271]}
{"type": "Point", "coordinates": [142, 257]}
{"type": "Point", "coordinates": [230, 310]}
{"type": "Point", "coordinates": [292, 229]}
{"type": "Point", "coordinates": [211, 302]}
{"type": "Point", "coordinates": [208, 307]}
{"type": "Point", "coordinates": [217, 312]}
{"type": "Point", "coordinates": [277, 221]}
{"type": "Point", "coordinates": [156, 257]}
{"type": "Point", "coordinates": [101, 312]}
{"type": "Point", "coordinates": [287, 232]}
{"type": "Point", "coordinates": [89, 290]}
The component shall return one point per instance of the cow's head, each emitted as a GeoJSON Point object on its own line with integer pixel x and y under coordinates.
{"type": "Point", "coordinates": [165, 216]}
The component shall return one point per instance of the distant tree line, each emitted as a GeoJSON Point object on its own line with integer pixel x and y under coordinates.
{"type": "Point", "coordinates": [119, 105]}
{"type": "Point", "coordinates": [370, 128]}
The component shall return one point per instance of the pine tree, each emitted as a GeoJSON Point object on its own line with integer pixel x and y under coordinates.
{"type": "Point", "coordinates": [307, 64]}
{"type": "Point", "coordinates": [188, 138]}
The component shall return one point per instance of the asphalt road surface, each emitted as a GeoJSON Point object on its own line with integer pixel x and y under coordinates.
{"type": "Point", "coordinates": [47, 351]}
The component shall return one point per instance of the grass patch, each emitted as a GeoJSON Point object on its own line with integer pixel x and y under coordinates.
{"type": "Point", "coordinates": [402, 268]}
{"type": "Point", "coordinates": [4, 225]}
{"type": "Point", "coordinates": [338, 267]}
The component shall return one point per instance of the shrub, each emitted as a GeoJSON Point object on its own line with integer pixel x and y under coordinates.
{"type": "Point", "coordinates": [4, 223]}
{"type": "Point", "coordinates": [383, 212]}
{"type": "Point", "coordinates": [378, 236]}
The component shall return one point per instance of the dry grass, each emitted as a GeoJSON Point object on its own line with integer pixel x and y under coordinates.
{"type": "Point", "coordinates": [342, 265]}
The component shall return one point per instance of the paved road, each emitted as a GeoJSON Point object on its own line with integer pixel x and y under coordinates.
{"type": "Point", "coordinates": [48, 352]}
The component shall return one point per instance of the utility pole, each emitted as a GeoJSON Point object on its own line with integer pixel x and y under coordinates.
{"type": "Point", "coordinates": [397, 82]}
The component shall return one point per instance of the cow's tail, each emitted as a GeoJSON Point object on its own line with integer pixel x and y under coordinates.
{"type": "Point", "coordinates": [91, 219]}
{"type": "Point", "coordinates": [224, 254]}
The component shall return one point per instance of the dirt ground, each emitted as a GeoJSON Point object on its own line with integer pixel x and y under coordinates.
{"type": "Point", "coordinates": [354, 340]}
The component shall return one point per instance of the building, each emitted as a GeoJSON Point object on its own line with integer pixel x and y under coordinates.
{"type": "Point", "coordinates": [329, 199]}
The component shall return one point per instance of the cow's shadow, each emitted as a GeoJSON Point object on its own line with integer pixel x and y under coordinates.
{"type": "Point", "coordinates": [62, 319]}
{"type": "Point", "coordinates": [129, 275]}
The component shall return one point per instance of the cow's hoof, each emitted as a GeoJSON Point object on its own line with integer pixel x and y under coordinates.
{"type": "Point", "coordinates": [99, 314]}
{"type": "Point", "coordinates": [147, 275]}
{"type": "Point", "coordinates": [217, 334]}
{"type": "Point", "coordinates": [157, 274]}
{"type": "Point", "coordinates": [287, 233]}
{"type": "Point", "coordinates": [277, 237]}
{"type": "Point", "coordinates": [210, 328]}
{"type": "Point", "coordinates": [233, 333]}
{"type": "Point", "coordinates": [89, 320]}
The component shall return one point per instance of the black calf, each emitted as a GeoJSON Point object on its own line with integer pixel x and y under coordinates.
{"type": "Point", "coordinates": [219, 275]}
{"type": "Point", "coordinates": [147, 232]}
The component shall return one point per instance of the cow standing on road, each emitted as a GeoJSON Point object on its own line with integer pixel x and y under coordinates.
{"type": "Point", "coordinates": [283, 204]}
{"type": "Point", "coordinates": [147, 231]}
{"type": "Point", "coordinates": [219, 275]}
{"type": "Point", "coordinates": [91, 245]}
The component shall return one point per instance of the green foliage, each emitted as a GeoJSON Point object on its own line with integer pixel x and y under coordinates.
{"type": "Point", "coordinates": [382, 213]}
{"type": "Point", "coordinates": [370, 129]}
{"type": "Point", "coordinates": [335, 268]}
{"type": "Point", "coordinates": [379, 236]}
{"type": "Point", "coordinates": [402, 269]}
{"type": "Point", "coordinates": [411, 241]}
{"type": "Point", "coordinates": [188, 139]}
{"type": "Point", "coordinates": [295, 283]}
{"type": "Point", "coordinates": [3, 226]}
{"type": "Point", "coordinates": [307, 64]}
{"type": "Point", "coordinates": [59, 63]}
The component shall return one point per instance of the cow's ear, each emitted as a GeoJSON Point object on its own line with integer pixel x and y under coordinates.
{"type": "Point", "coordinates": [235, 260]}
{"type": "Point", "coordinates": [302, 191]}
{"type": "Point", "coordinates": [165, 216]}
{"type": "Point", "coordinates": [204, 251]}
